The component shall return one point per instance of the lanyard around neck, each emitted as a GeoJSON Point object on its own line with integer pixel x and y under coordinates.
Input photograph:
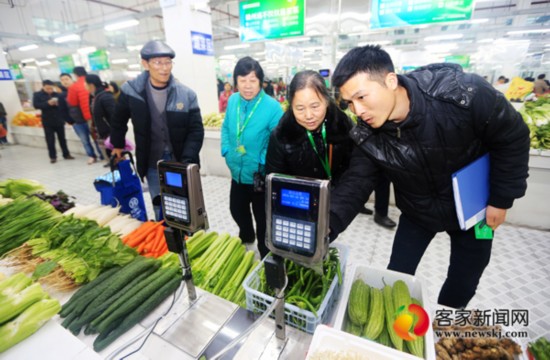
{"type": "Point", "coordinates": [325, 162]}
{"type": "Point", "coordinates": [240, 128]}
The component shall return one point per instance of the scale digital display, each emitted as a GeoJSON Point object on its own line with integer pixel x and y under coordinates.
{"type": "Point", "coordinates": [174, 179]}
{"type": "Point", "coordinates": [295, 199]}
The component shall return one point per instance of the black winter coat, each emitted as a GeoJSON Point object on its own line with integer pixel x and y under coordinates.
{"type": "Point", "coordinates": [290, 151]}
{"type": "Point", "coordinates": [103, 109]}
{"type": "Point", "coordinates": [183, 118]}
{"type": "Point", "coordinates": [50, 113]}
{"type": "Point", "coordinates": [454, 118]}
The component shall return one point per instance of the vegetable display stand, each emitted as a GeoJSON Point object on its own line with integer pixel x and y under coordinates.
{"type": "Point", "coordinates": [305, 320]}
{"type": "Point", "coordinates": [378, 278]}
{"type": "Point", "coordinates": [122, 187]}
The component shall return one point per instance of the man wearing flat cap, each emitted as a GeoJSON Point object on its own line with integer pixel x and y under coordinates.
{"type": "Point", "coordinates": [165, 115]}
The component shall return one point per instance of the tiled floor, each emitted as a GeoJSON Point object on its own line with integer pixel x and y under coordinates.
{"type": "Point", "coordinates": [518, 276]}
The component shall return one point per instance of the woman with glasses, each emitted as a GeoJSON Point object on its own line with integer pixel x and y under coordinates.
{"type": "Point", "coordinates": [312, 138]}
{"type": "Point", "coordinates": [249, 119]}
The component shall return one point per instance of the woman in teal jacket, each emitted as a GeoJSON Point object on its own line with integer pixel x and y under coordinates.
{"type": "Point", "coordinates": [249, 119]}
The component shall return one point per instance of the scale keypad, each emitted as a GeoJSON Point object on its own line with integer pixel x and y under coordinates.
{"type": "Point", "coordinates": [293, 233]}
{"type": "Point", "coordinates": [176, 207]}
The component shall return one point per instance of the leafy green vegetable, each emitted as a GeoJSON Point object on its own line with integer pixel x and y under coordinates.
{"type": "Point", "coordinates": [13, 188]}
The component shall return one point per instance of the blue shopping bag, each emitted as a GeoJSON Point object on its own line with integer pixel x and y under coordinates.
{"type": "Point", "coordinates": [122, 187]}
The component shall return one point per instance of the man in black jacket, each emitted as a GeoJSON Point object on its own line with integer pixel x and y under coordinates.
{"type": "Point", "coordinates": [165, 114]}
{"type": "Point", "coordinates": [418, 129]}
{"type": "Point", "coordinates": [46, 100]}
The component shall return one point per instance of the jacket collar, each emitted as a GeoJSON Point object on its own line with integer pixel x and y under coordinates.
{"type": "Point", "coordinates": [245, 102]}
{"type": "Point", "coordinates": [142, 79]}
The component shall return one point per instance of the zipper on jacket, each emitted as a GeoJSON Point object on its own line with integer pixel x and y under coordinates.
{"type": "Point", "coordinates": [399, 132]}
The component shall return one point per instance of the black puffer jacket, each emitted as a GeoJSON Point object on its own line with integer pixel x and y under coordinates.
{"type": "Point", "coordinates": [290, 151]}
{"type": "Point", "coordinates": [103, 109]}
{"type": "Point", "coordinates": [50, 113]}
{"type": "Point", "coordinates": [454, 118]}
{"type": "Point", "coordinates": [183, 118]}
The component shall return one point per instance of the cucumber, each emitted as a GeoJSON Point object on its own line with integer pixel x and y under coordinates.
{"type": "Point", "coordinates": [138, 298]}
{"type": "Point", "coordinates": [106, 338]}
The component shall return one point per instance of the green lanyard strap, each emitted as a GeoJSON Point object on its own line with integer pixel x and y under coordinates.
{"type": "Point", "coordinates": [324, 162]}
{"type": "Point", "coordinates": [240, 128]}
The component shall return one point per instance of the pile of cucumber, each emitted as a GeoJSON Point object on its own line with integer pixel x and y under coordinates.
{"type": "Point", "coordinates": [119, 298]}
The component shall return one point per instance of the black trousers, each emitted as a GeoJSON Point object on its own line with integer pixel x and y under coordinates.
{"type": "Point", "coordinates": [382, 196]}
{"type": "Point", "coordinates": [49, 132]}
{"type": "Point", "coordinates": [240, 198]}
{"type": "Point", "coordinates": [468, 259]}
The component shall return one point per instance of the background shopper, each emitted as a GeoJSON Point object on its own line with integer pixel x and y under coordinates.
{"type": "Point", "coordinates": [103, 109]}
{"type": "Point", "coordinates": [250, 117]}
{"type": "Point", "coordinates": [4, 123]}
{"type": "Point", "coordinates": [224, 97]}
{"type": "Point", "coordinates": [381, 204]}
{"type": "Point", "coordinates": [46, 100]}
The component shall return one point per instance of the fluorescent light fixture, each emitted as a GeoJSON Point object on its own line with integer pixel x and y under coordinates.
{"type": "Point", "coordinates": [441, 47]}
{"type": "Point", "coordinates": [521, 32]}
{"type": "Point", "coordinates": [122, 25]}
{"type": "Point", "coordinates": [29, 67]}
{"type": "Point", "coordinates": [4, 52]}
{"type": "Point", "coordinates": [547, 45]}
{"type": "Point", "coordinates": [479, 21]}
{"type": "Point", "coordinates": [67, 38]}
{"type": "Point", "coordinates": [119, 61]}
{"type": "Point", "coordinates": [51, 56]}
{"type": "Point", "coordinates": [381, 42]}
{"type": "Point", "coordinates": [488, 40]}
{"type": "Point", "coordinates": [43, 63]}
{"type": "Point", "coordinates": [134, 66]}
{"type": "Point", "coordinates": [261, 53]}
{"type": "Point", "coordinates": [134, 47]}
{"type": "Point", "coordinates": [444, 37]}
{"type": "Point", "coordinates": [28, 47]}
{"type": "Point", "coordinates": [28, 60]}
{"type": "Point", "coordinates": [238, 46]}
{"type": "Point", "coordinates": [86, 50]}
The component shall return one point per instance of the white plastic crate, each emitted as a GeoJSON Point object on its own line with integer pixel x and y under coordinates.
{"type": "Point", "coordinates": [305, 320]}
{"type": "Point", "coordinates": [378, 278]}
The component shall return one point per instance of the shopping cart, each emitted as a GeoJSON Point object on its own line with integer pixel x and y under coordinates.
{"type": "Point", "coordinates": [122, 187]}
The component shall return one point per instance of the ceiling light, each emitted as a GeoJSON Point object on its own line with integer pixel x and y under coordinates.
{"type": "Point", "coordinates": [227, 57]}
{"type": "Point", "coordinates": [43, 63]}
{"type": "Point", "coordinates": [444, 37]}
{"type": "Point", "coordinates": [134, 66]}
{"type": "Point", "coordinates": [122, 25]}
{"type": "Point", "coordinates": [51, 56]}
{"type": "Point", "coordinates": [28, 47]}
{"type": "Point", "coordinates": [547, 45]}
{"type": "Point", "coordinates": [30, 67]}
{"type": "Point", "coordinates": [28, 60]}
{"type": "Point", "coordinates": [238, 46]}
{"type": "Point", "coordinates": [134, 47]}
{"type": "Point", "coordinates": [86, 50]}
{"type": "Point", "coordinates": [489, 40]}
{"type": "Point", "coordinates": [67, 38]}
{"type": "Point", "coordinates": [5, 52]}
{"type": "Point", "coordinates": [520, 32]}
{"type": "Point", "coordinates": [119, 61]}
{"type": "Point", "coordinates": [479, 21]}
{"type": "Point", "coordinates": [382, 42]}
{"type": "Point", "coordinates": [441, 47]}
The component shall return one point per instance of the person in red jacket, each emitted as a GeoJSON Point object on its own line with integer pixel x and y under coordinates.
{"type": "Point", "coordinates": [79, 97]}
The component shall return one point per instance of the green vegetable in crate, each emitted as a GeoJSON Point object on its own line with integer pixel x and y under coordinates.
{"type": "Point", "coordinates": [375, 322]}
{"type": "Point", "coordinates": [27, 323]}
{"type": "Point", "coordinates": [540, 349]}
{"type": "Point", "coordinates": [384, 337]}
{"type": "Point", "coordinates": [416, 346]}
{"type": "Point", "coordinates": [390, 317]}
{"type": "Point", "coordinates": [358, 303]}
{"type": "Point", "coordinates": [13, 284]}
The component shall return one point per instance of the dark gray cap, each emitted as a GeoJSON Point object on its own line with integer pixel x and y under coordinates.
{"type": "Point", "coordinates": [156, 48]}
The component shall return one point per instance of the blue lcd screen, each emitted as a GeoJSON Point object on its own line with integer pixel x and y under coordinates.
{"type": "Point", "coordinates": [174, 179]}
{"type": "Point", "coordinates": [295, 199]}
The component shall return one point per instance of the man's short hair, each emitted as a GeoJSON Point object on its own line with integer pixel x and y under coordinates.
{"type": "Point", "coordinates": [79, 71]}
{"type": "Point", "coordinates": [47, 82]}
{"type": "Point", "coordinates": [245, 66]}
{"type": "Point", "coordinates": [65, 74]}
{"type": "Point", "coordinates": [370, 59]}
{"type": "Point", "coordinates": [541, 76]}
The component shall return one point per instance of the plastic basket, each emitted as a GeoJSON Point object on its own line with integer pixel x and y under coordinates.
{"type": "Point", "coordinates": [305, 320]}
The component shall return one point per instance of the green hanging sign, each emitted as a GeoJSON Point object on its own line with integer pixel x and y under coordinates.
{"type": "Point", "coordinates": [16, 72]}
{"type": "Point", "coordinates": [273, 19]}
{"type": "Point", "coordinates": [99, 60]}
{"type": "Point", "coordinates": [462, 60]}
{"type": "Point", "coordinates": [399, 13]}
{"type": "Point", "coordinates": [66, 64]}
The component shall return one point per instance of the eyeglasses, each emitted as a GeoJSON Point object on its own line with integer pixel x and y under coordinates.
{"type": "Point", "coordinates": [159, 64]}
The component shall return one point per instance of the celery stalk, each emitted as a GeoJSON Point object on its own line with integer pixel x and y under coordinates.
{"type": "Point", "coordinates": [14, 284]}
{"type": "Point", "coordinates": [13, 305]}
{"type": "Point", "coordinates": [27, 323]}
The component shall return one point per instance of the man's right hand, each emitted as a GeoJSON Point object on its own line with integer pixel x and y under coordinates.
{"type": "Point", "coordinates": [117, 153]}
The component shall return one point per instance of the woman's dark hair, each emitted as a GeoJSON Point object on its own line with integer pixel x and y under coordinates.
{"type": "Point", "coordinates": [114, 85]}
{"type": "Point", "coordinates": [308, 79]}
{"type": "Point", "coordinates": [245, 66]}
{"type": "Point", "coordinates": [93, 79]}
{"type": "Point", "coordinates": [370, 59]}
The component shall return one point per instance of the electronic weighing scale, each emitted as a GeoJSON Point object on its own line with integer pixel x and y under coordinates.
{"type": "Point", "coordinates": [204, 324]}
